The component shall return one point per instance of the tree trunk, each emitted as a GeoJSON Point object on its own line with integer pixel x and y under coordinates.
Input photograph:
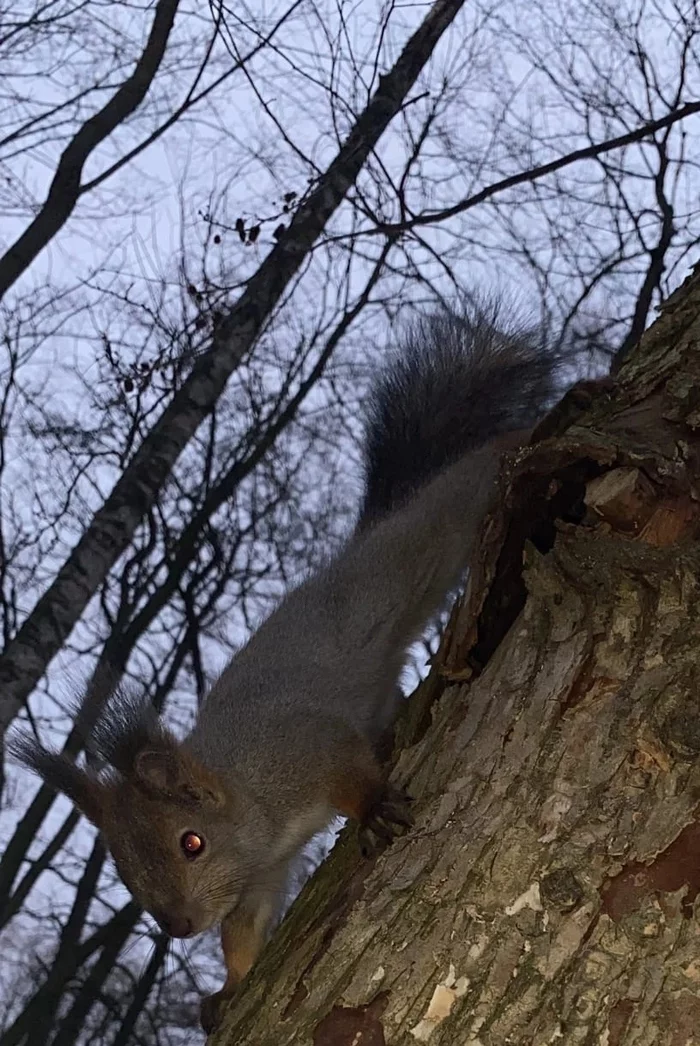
{"type": "Point", "coordinates": [548, 893]}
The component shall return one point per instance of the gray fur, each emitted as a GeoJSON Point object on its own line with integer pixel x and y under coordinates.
{"type": "Point", "coordinates": [327, 661]}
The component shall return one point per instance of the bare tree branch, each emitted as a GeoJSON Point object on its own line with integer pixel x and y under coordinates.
{"type": "Point", "coordinates": [588, 152]}
{"type": "Point", "coordinates": [65, 188]}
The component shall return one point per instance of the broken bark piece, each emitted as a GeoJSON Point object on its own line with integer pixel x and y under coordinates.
{"type": "Point", "coordinates": [625, 498]}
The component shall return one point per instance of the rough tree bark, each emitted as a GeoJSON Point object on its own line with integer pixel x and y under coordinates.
{"type": "Point", "coordinates": [548, 893]}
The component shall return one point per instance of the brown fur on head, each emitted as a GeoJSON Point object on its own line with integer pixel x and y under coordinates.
{"type": "Point", "coordinates": [179, 835]}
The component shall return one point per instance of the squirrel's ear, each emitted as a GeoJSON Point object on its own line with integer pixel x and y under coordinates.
{"type": "Point", "coordinates": [166, 772]}
{"type": "Point", "coordinates": [60, 773]}
{"type": "Point", "coordinates": [154, 769]}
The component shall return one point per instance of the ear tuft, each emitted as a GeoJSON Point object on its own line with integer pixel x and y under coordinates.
{"type": "Point", "coordinates": [127, 724]}
{"type": "Point", "coordinates": [59, 773]}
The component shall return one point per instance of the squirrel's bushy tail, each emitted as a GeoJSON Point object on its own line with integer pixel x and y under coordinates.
{"type": "Point", "coordinates": [455, 382]}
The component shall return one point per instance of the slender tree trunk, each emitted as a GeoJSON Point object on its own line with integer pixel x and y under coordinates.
{"type": "Point", "coordinates": [34, 1024]}
{"type": "Point", "coordinates": [142, 989]}
{"type": "Point", "coordinates": [548, 893]}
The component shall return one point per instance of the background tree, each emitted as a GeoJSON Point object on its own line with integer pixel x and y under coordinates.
{"type": "Point", "coordinates": [555, 155]}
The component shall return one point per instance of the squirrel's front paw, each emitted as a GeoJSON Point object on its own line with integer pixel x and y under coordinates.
{"type": "Point", "coordinates": [211, 1009]}
{"type": "Point", "coordinates": [386, 818]}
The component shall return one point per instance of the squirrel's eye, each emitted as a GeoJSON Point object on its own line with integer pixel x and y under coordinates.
{"type": "Point", "coordinates": [192, 844]}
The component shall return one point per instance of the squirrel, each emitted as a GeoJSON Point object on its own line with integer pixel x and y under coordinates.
{"type": "Point", "coordinates": [203, 830]}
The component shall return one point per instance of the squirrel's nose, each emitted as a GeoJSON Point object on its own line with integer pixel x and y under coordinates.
{"type": "Point", "coordinates": [174, 925]}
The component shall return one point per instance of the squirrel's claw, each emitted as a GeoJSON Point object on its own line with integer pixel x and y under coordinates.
{"type": "Point", "coordinates": [385, 819]}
